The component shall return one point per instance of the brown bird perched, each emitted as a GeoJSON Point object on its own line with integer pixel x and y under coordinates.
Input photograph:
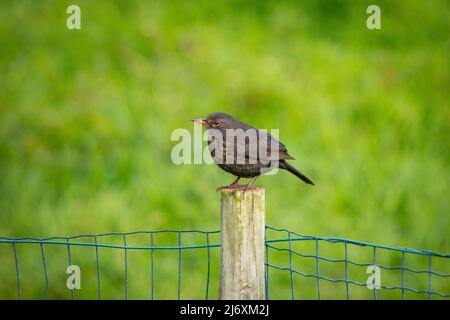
{"type": "Point", "coordinates": [243, 150]}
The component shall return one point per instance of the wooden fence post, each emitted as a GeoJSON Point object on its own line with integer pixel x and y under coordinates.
{"type": "Point", "coordinates": [242, 250]}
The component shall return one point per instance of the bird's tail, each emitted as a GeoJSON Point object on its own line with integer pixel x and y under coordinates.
{"type": "Point", "coordinates": [291, 169]}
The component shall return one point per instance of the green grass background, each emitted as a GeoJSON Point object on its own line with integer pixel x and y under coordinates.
{"type": "Point", "coordinates": [86, 118]}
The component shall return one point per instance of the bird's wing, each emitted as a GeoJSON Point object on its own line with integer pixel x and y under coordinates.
{"type": "Point", "coordinates": [284, 155]}
{"type": "Point", "coordinates": [256, 146]}
{"type": "Point", "coordinates": [246, 145]}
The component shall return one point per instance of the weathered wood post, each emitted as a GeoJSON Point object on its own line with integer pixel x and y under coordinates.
{"type": "Point", "coordinates": [242, 250]}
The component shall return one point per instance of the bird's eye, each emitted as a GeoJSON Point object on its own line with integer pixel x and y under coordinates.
{"type": "Point", "coordinates": [215, 123]}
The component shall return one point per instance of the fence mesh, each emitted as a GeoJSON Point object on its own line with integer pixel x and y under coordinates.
{"type": "Point", "coordinates": [297, 267]}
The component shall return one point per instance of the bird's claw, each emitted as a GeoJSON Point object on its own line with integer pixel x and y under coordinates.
{"type": "Point", "coordinates": [232, 186]}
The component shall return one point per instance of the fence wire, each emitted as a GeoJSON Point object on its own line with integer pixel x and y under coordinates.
{"type": "Point", "coordinates": [291, 258]}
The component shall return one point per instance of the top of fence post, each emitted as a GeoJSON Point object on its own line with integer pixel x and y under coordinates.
{"type": "Point", "coordinates": [242, 250]}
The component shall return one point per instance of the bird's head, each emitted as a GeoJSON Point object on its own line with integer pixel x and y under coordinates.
{"type": "Point", "coordinates": [217, 120]}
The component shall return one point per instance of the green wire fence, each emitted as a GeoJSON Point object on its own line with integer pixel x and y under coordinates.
{"type": "Point", "coordinates": [297, 266]}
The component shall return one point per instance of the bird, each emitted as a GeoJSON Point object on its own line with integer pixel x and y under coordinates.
{"type": "Point", "coordinates": [245, 151]}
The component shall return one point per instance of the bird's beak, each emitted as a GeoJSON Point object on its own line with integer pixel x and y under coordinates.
{"type": "Point", "coordinates": [200, 120]}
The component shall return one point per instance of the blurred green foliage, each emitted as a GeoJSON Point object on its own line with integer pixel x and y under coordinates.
{"type": "Point", "coordinates": [86, 118]}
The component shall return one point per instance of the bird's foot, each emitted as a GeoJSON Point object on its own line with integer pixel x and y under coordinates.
{"type": "Point", "coordinates": [234, 186]}
{"type": "Point", "coordinates": [249, 185]}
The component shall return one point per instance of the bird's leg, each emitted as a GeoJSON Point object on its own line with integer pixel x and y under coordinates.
{"type": "Point", "coordinates": [249, 185]}
{"type": "Point", "coordinates": [233, 185]}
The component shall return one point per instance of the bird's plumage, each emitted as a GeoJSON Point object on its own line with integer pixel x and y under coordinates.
{"type": "Point", "coordinates": [245, 151]}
